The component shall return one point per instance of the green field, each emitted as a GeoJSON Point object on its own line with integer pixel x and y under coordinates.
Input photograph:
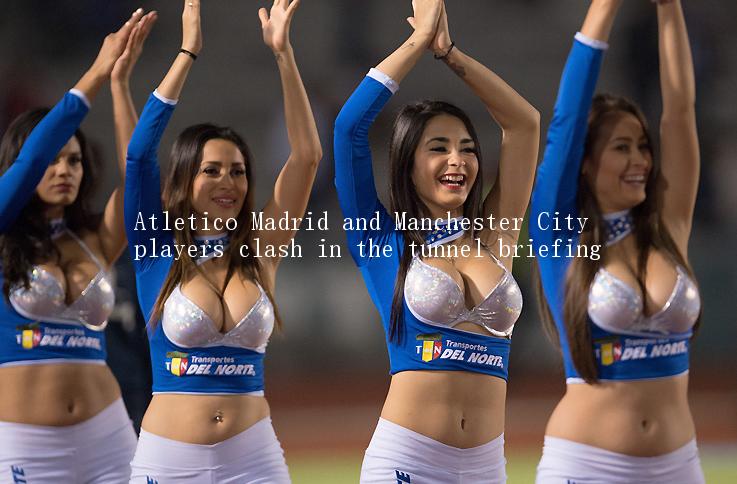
{"type": "Point", "coordinates": [719, 467]}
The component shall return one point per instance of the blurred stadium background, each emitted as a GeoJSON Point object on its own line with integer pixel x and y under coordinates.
{"type": "Point", "coordinates": [327, 374]}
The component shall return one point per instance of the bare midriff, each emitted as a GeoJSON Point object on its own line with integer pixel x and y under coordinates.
{"type": "Point", "coordinates": [458, 408]}
{"type": "Point", "coordinates": [203, 419]}
{"type": "Point", "coordinates": [55, 394]}
{"type": "Point", "coordinates": [637, 418]}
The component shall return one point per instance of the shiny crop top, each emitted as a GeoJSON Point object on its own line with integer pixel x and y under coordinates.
{"type": "Point", "coordinates": [627, 344]}
{"type": "Point", "coordinates": [36, 326]}
{"type": "Point", "coordinates": [435, 298]}
{"type": "Point", "coordinates": [617, 308]}
{"type": "Point", "coordinates": [187, 325]}
{"type": "Point", "coordinates": [45, 299]}
{"type": "Point", "coordinates": [188, 354]}
{"type": "Point", "coordinates": [432, 302]}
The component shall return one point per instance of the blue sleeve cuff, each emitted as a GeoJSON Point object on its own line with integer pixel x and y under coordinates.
{"type": "Point", "coordinates": [81, 96]}
{"type": "Point", "coordinates": [165, 100]}
{"type": "Point", "coordinates": [387, 81]}
{"type": "Point", "coordinates": [593, 43]}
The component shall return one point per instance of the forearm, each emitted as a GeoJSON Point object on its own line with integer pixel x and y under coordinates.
{"type": "Point", "coordinates": [403, 60]}
{"type": "Point", "coordinates": [125, 119]}
{"type": "Point", "coordinates": [600, 19]}
{"type": "Point", "coordinates": [510, 110]}
{"type": "Point", "coordinates": [301, 128]}
{"type": "Point", "coordinates": [91, 82]}
{"type": "Point", "coordinates": [676, 64]}
{"type": "Point", "coordinates": [173, 83]}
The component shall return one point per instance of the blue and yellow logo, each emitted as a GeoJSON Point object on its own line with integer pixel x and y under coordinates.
{"type": "Point", "coordinates": [432, 346]}
{"type": "Point", "coordinates": [177, 362]}
{"type": "Point", "coordinates": [30, 335]}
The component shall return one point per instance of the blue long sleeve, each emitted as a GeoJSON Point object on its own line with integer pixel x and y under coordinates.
{"type": "Point", "coordinates": [556, 185]}
{"type": "Point", "coordinates": [19, 182]}
{"type": "Point", "coordinates": [142, 181]}
{"type": "Point", "coordinates": [143, 200]}
{"type": "Point", "coordinates": [354, 177]}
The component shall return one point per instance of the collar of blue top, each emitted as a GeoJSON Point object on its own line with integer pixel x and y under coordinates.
{"type": "Point", "coordinates": [618, 226]}
{"type": "Point", "coordinates": [446, 230]}
{"type": "Point", "coordinates": [206, 245]}
{"type": "Point", "coordinates": [57, 226]}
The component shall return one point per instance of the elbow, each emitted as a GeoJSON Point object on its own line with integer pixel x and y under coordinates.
{"type": "Point", "coordinates": [345, 123]}
{"type": "Point", "coordinates": [531, 119]}
{"type": "Point", "coordinates": [526, 125]}
{"type": "Point", "coordinates": [309, 155]}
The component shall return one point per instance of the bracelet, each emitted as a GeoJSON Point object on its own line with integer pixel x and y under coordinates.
{"type": "Point", "coordinates": [444, 56]}
{"type": "Point", "coordinates": [191, 54]}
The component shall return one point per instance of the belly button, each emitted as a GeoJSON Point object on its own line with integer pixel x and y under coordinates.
{"type": "Point", "coordinates": [218, 417]}
{"type": "Point", "coordinates": [70, 407]}
{"type": "Point", "coordinates": [463, 424]}
{"type": "Point", "coordinates": [644, 424]}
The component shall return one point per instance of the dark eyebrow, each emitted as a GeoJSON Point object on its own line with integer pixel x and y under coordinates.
{"type": "Point", "coordinates": [218, 162]}
{"type": "Point", "coordinates": [446, 140]}
{"type": "Point", "coordinates": [622, 138]}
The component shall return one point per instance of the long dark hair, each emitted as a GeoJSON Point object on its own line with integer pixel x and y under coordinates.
{"type": "Point", "coordinates": [409, 126]}
{"type": "Point", "coordinates": [28, 240]}
{"type": "Point", "coordinates": [650, 233]}
{"type": "Point", "coordinates": [185, 159]}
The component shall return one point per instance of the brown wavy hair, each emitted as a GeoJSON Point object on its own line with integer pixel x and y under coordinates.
{"type": "Point", "coordinates": [409, 126]}
{"type": "Point", "coordinates": [28, 240]}
{"type": "Point", "coordinates": [650, 233]}
{"type": "Point", "coordinates": [185, 159]}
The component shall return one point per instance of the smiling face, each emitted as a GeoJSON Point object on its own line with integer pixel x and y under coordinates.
{"type": "Point", "coordinates": [620, 164]}
{"type": "Point", "coordinates": [445, 166]}
{"type": "Point", "coordinates": [221, 185]}
{"type": "Point", "coordinates": [60, 184]}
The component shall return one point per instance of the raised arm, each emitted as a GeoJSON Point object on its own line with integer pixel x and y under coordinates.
{"type": "Point", "coordinates": [112, 229]}
{"type": "Point", "coordinates": [19, 181]}
{"type": "Point", "coordinates": [556, 183]}
{"type": "Point", "coordinates": [354, 177]}
{"type": "Point", "coordinates": [142, 181]}
{"type": "Point", "coordinates": [294, 183]}
{"type": "Point", "coordinates": [520, 125]}
{"type": "Point", "coordinates": [679, 139]}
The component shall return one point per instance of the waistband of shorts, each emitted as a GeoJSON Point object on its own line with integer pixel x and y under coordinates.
{"type": "Point", "coordinates": [393, 439]}
{"type": "Point", "coordinates": [182, 455]}
{"type": "Point", "coordinates": [597, 457]}
{"type": "Point", "coordinates": [111, 418]}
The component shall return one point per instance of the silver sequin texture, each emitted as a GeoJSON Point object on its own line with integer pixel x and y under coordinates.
{"type": "Point", "coordinates": [45, 300]}
{"type": "Point", "coordinates": [188, 326]}
{"type": "Point", "coordinates": [616, 307]}
{"type": "Point", "coordinates": [435, 298]}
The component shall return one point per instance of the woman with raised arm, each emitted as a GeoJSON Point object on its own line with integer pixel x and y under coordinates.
{"type": "Point", "coordinates": [625, 319]}
{"type": "Point", "coordinates": [211, 310]}
{"type": "Point", "coordinates": [448, 317]}
{"type": "Point", "coordinates": [62, 418]}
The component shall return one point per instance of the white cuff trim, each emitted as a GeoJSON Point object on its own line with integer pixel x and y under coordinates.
{"type": "Point", "coordinates": [165, 100]}
{"type": "Point", "coordinates": [593, 43]}
{"type": "Point", "coordinates": [81, 96]}
{"type": "Point", "coordinates": [387, 81]}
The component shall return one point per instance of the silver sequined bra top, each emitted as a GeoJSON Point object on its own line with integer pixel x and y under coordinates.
{"type": "Point", "coordinates": [188, 326]}
{"type": "Point", "coordinates": [45, 299]}
{"type": "Point", "coordinates": [616, 307]}
{"type": "Point", "coordinates": [435, 298]}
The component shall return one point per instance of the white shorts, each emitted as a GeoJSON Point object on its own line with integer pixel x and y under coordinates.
{"type": "Point", "coordinates": [96, 451]}
{"type": "Point", "coordinates": [254, 456]}
{"type": "Point", "coordinates": [568, 462]}
{"type": "Point", "coordinates": [397, 455]}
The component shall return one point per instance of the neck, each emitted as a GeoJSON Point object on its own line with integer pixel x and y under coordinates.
{"type": "Point", "coordinates": [54, 212]}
